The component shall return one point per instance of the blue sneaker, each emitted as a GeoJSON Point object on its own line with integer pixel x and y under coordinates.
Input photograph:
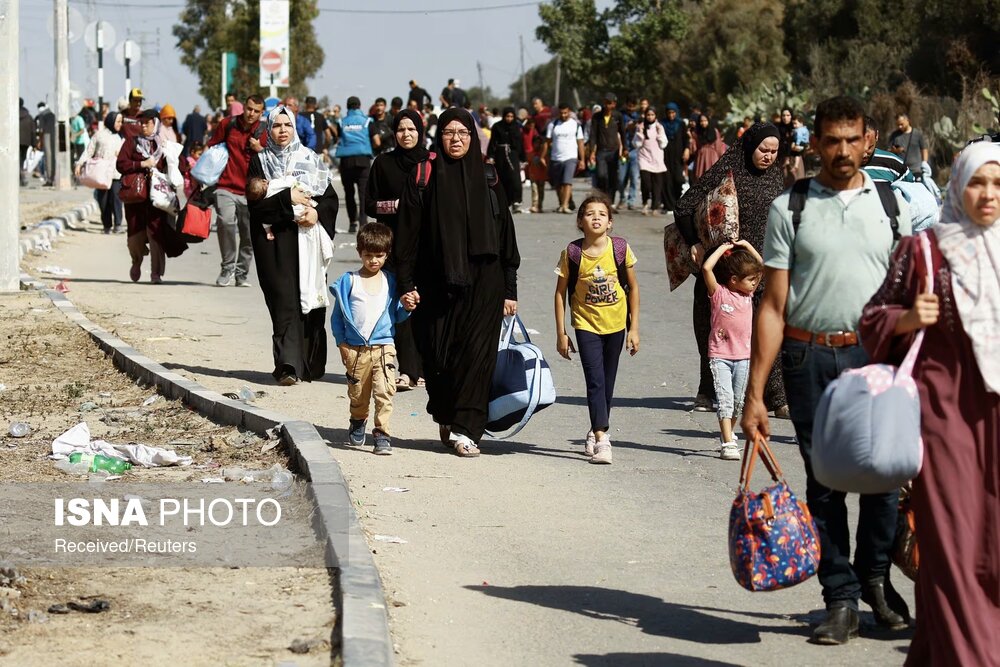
{"type": "Point", "coordinates": [356, 432]}
{"type": "Point", "coordinates": [383, 445]}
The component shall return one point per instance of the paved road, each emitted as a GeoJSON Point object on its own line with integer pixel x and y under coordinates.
{"type": "Point", "coordinates": [527, 555]}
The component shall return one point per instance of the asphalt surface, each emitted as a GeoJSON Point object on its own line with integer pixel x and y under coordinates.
{"type": "Point", "coordinates": [527, 555]}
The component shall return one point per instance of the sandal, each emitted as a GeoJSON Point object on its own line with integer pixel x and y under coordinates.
{"type": "Point", "coordinates": [403, 382]}
{"type": "Point", "coordinates": [420, 383]}
{"type": "Point", "coordinates": [444, 434]}
{"type": "Point", "coordinates": [465, 447]}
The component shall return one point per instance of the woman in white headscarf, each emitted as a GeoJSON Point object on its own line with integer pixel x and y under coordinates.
{"type": "Point", "coordinates": [299, 334]}
{"type": "Point", "coordinates": [956, 497]}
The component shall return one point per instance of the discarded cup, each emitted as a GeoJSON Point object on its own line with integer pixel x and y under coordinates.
{"type": "Point", "coordinates": [247, 394]}
{"type": "Point", "coordinates": [97, 462]}
{"type": "Point", "coordinates": [281, 480]}
{"type": "Point", "coordinates": [19, 429]}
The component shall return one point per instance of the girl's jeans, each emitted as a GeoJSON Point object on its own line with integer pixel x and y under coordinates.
{"type": "Point", "coordinates": [730, 378]}
{"type": "Point", "coordinates": [599, 356]}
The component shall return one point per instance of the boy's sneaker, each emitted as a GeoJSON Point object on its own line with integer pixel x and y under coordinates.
{"type": "Point", "coordinates": [383, 445]}
{"type": "Point", "coordinates": [356, 433]}
{"type": "Point", "coordinates": [602, 451]}
{"type": "Point", "coordinates": [588, 449]}
{"type": "Point", "coordinates": [730, 451]}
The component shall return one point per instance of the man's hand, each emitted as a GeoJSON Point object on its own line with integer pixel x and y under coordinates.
{"type": "Point", "coordinates": [509, 307]}
{"type": "Point", "coordinates": [256, 145]}
{"type": "Point", "coordinates": [755, 419]}
{"type": "Point", "coordinates": [564, 346]}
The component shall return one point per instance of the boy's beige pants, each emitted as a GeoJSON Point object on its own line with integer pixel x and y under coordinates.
{"type": "Point", "coordinates": [371, 371]}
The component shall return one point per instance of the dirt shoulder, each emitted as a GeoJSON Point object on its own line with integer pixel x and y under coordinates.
{"type": "Point", "coordinates": [54, 377]}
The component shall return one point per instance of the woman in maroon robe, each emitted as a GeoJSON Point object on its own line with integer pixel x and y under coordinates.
{"type": "Point", "coordinates": [956, 497]}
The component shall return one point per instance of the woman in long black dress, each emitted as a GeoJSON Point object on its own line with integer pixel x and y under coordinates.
{"type": "Point", "coordinates": [753, 160]}
{"type": "Point", "coordinates": [506, 149]}
{"type": "Point", "coordinates": [455, 245]}
{"type": "Point", "coordinates": [389, 173]}
{"type": "Point", "coordinates": [299, 339]}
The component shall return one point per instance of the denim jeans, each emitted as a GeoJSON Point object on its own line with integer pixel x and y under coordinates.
{"type": "Point", "coordinates": [730, 384]}
{"type": "Point", "coordinates": [599, 355]}
{"type": "Point", "coordinates": [628, 174]}
{"type": "Point", "coordinates": [808, 369]}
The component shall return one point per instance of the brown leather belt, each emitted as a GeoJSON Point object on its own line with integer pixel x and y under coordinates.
{"type": "Point", "coordinates": [826, 339]}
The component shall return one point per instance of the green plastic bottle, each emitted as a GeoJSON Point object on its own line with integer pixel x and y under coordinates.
{"type": "Point", "coordinates": [101, 462]}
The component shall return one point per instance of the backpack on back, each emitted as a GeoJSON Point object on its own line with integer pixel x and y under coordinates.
{"type": "Point", "coordinates": [800, 193]}
{"type": "Point", "coordinates": [574, 253]}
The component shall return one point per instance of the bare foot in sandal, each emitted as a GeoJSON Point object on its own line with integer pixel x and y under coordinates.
{"type": "Point", "coordinates": [464, 447]}
{"type": "Point", "coordinates": [403, 382]}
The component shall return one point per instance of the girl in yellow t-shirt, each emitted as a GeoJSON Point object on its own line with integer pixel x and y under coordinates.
{"type": "Point", "coordinates": [604, 305]}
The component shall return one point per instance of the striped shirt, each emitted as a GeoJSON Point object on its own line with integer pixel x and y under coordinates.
{"type": "Point", "coordinates": [887, 167]}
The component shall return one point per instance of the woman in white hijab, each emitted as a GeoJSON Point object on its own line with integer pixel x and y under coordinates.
{"type": "Point", "coordinates": [298, 320]}
{"type": "Point", "coordinates": [956, 496]}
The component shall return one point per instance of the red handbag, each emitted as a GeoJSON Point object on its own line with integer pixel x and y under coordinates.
{"type": "Point", "coordinates": [135, 188]}
{"type": "Point", "coordinates": [195, 221]}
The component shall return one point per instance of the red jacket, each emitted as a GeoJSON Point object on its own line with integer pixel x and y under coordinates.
{"type": "Point", "coordinates": [234, 176]}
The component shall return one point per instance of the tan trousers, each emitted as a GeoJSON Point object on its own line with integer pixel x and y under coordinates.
{"type": "Point", "coordinates": [371, 371]}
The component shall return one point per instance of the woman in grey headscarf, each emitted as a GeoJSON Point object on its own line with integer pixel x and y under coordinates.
{"type": "Point", "coordinates": [299, 337]}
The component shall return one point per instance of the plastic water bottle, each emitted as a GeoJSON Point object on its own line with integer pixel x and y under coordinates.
{"type": "Point", "coordinates": [19, 429]}
{"type": "Point", "coordinates": [101, 462]}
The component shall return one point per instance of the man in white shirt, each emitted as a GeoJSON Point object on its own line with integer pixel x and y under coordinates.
{"type": "Point", "coordinates": [563, 154]}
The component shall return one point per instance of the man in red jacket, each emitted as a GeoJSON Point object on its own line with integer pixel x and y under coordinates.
{"type": "Point", "coordinates": [243, 136]}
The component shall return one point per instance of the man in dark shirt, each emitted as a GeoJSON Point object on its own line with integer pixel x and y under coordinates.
{"type": "Point", "coordinates": [194, 129]}
{"type": "Point", "coordinates": [45, 127]}
{"type": "Point", "coordinates": [459, 98]}
{"type": "Point", "coordinates": [379, 131]}
{"type": "Point", "coordinates": [607, 147]}
{"type": "Point", "coordinates": [317, 121]}
{"type": "Point", "coordinates": [26, 137]}
{"type": "Point", "coordinates": [446, 94]}
{"type": "Point", "coordinates": [417, 94]}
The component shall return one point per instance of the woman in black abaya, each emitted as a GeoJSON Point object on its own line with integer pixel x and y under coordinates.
{"type": "Point", "coordinates": [389, 174]}
{"type": "Point", "coordinates": [758, 177]}
{"type": "Point", "coordinates": [455, 245]}
{"type": "Point", "coordinates": [299, 339]}
{"type": "Point", "coordinates": [506, 149]}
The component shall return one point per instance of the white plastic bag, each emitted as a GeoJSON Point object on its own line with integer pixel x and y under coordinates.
{"type": "Point", "coordinates": [211, 164]}
{"type": "Point", "coordinates": [162, 193]}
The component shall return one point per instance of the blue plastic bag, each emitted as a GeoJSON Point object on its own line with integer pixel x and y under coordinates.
{"type": "Point", "coordinates": [210, 165]}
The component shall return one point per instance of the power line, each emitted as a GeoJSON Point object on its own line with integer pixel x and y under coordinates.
{"type": "Point", "coordinates": [456, 10]}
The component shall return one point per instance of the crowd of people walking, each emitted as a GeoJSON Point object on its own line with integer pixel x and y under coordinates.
{"type": "Point", "coordinates": [813, 276]}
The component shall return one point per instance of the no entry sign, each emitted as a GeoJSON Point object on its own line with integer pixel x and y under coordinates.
{"type": "Point", "coordinates": [270, 62]}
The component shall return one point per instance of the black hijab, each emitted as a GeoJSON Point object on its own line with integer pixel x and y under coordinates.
{"type": "Point", "coordinates": [460, 210]}
{"type": "Point", "coordinates": [408, 158]}
{"type": "Point", "coordinates": [109, 121]}
{"type": "Point", "coordinates": [755, 189]}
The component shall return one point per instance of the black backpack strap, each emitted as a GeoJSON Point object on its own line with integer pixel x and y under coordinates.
{"type": "Point", "coordinates": [891, 206]}
{"type": "Point", "coordinates": [797, 201]}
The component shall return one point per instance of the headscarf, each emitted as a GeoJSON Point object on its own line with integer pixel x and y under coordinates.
{"type": "Point", "coordinates": [149, 146]}
{"type": "Point", "coordinates": [460, 208]}
{"type": "Point", "coordinates": [752, 138]}
{"type": "Point", "coordinates": [413, 156]}
{"type": "Point", "coordinates": [294, 159]}
{"type": "Point", "coordinates": [109, 120]}
{"type": "Point", "coordinates": [673, 127]}
{"type": "Point", "coordinates": [707, 135]}
{"type": "Point", "coordinates": [755, 189]}
{"type": "Point", "coordinates": [168, 112]}
{"type": "Point", "coordinates": [973, 255]}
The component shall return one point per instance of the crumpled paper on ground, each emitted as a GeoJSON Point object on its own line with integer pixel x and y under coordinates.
{"type": "Point", "coordinates": [77, 439]}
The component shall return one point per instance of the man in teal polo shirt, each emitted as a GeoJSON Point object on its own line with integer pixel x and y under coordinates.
{"type": "Point", "coordinates": [818, 279]}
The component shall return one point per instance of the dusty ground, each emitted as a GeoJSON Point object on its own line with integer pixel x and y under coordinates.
{"type": "Point", "coordinates": [50, 369]}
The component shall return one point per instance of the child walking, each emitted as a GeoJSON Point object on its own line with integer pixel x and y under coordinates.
{"type": "Point", "coordinates": [732, 273]}
{"type": "Point", "coordinates": [597, 274]}
{"type": "Point", "coordinates": [364, 322]}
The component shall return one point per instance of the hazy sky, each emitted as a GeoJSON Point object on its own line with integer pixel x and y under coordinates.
{"type": "Point", "coordinates": [366, 55]}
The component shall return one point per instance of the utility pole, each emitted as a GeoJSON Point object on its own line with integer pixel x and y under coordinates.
{"type": "Point", "coordinates": [10, 167]}
{"type": "Point", "coordinates": [61, 162]}
{"type": "Point", "coordinates": [482, 89]}
{"type": "Point", "coordinates": [524, 81]}
{"type": "Point", "coordinates": [558, 77]}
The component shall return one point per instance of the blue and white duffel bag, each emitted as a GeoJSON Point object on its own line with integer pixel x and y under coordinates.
{"type": "Point", "coordinates": [522, 382]}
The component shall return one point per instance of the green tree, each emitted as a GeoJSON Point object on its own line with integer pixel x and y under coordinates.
{"type": "Point", "coordinates": [540, 81]}
{"type": "Point", "coordinates": [205, 29]}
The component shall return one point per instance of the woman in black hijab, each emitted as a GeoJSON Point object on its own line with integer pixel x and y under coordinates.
{"type": "Point", "coordinates": [455, 245]}
{"type": "Point", "coordinates": [753, 159]}
{"type": "Point", "coordinates": [506, 150]}
{"type": "Point", "coordinates": [389, 175]}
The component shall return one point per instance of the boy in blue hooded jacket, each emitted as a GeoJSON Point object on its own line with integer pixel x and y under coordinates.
{"type": "Point", "coordinates": [364, 323]}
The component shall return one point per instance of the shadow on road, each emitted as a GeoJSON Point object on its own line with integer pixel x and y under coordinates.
{"type": "Point", "coordinates": [647, 660]}
{"type": "Point", "coordinates": [662, 402]}
{"type": "Point", "coordinates": [651, 615]}
{"type": "Point", "coordinates": [257, 377]}
{"type": "Point", "coordinates": [166, 282]}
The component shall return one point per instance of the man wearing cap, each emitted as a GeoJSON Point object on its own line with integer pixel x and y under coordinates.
{"type": "Point", "coordinates": [243, 136]}
{"type": "Point", "coordinates": [607, 145]}
{"type": "Point", "coordinates": [131, 127]}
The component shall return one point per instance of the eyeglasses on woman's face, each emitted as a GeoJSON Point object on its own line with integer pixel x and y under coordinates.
{"type": "Point", "coordinates": [461, 135]}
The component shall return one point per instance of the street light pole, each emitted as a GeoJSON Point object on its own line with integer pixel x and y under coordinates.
{"type": "Point", "coordinates": [10, 214]}
{"type": "Point", "coordinates": [100, 66]}
{"type": "Point", "coordinates": [61, 162]}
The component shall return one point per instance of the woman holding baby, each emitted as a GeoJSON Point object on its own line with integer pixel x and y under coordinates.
{"type": "Point", "coordinates": [292, 212]}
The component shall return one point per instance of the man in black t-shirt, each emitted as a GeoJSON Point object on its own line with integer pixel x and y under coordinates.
{"type": "Point", "coordinates": [379, 130]}
{"type": "Point", "coordinates": [458, 96]}
{"type": "Point", "coordinates": [418, 95]}
{"type": "Point", "coordinates": [318, 123]}
{"type": "Point", "coordinates": [607, 145]}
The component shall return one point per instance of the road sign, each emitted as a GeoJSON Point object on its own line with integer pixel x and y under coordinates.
{"type": "Point", "coordinates": [271, 62]}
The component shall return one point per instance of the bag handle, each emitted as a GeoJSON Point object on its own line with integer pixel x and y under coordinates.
{"type": "Point", "coordinates": [758, 447]}
{"type": "Point", "coordinates": [510, 324]}
{"type": "Point", "coordinates": [906, 368]}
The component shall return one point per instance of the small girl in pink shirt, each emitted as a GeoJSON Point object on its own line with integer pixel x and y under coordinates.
{"type": "Point", "coordinates": [732, 273]}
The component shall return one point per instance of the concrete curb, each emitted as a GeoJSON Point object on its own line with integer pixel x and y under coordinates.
{"type": "Point", "coordinates": [362, 629]}
{"type": "Point", "coordinates": [38, 238]}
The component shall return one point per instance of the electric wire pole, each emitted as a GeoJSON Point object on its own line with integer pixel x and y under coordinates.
{"type": "Point", "coordinates": [60, 162]}
{"type": "Point", "coordinates": [10, 166]}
